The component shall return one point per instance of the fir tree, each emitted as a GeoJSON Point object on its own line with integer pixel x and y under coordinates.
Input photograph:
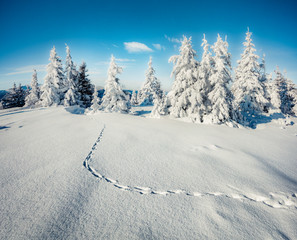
{"type": "Point", "coordinates": [206, 67]}
{"type": "Point", "coordinates": [70, 96]}
{"type": "Point", "coordinates": [114, 99]}
{"type": "Point", "coordinates": [53, 87]}
{"type": "Point", "coordinates": [202, 86]}
{"type": "Point", "coordinates": [95, 102]}
{"type": "Point", "coordinates": [10, 99]}
{"type": "Point", "coordinates": [264, 79]}
{"type": "Point", "coordinates": [294, 108]}
{"type": "Point", "coordinates": [277, 88]}
{"type": "Point", "coordinates": [287, 96]}
{"type": "Point", "coordinates": [70, 84]}
{"type": "Point", "coordinates": [271, 95]}
{"type": "Point", "coordinates": [21, 95]}
{"type": "Point", "coordinates": [85, 88]}
{"type": "Point", "coordinates": [249, 95]}
{"type": "Point", "coordinates": [150, 87]}
{"type": "Point", "coordinates": [220, 96]}
{"type": "Point", "coordinates": [27, 92]}
{"type": "Point", "coordinates": [158, 108]}
{"type": "Point", "coordinates": [283, 96]}
{"type": "Point", "coordinates": [14, 98]}
{"type": "Point", "coordinates": [134, 98]}
{"type": "Point", "coordinates": [183, 100]}
{"type": "Point", "coordinates": [34, 94]}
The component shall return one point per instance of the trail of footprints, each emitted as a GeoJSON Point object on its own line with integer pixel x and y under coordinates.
{"type": "Point", "coordinates": [275, 200]}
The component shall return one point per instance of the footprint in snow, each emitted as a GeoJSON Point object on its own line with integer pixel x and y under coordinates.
{"type": "Point", "coordinates": [274, 200]}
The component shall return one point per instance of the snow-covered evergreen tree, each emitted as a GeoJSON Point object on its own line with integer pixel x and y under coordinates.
{"type": "Point", "coordinates": [27, 92]}
{"type": "Point", "coordinates": [10, 98]}
{"type": "Point", "coordinates": [21, 95]}
{"type": "Point", "coordinates": [184, 101]}
{"type": "Point", "coordinates": [114, 99]}
{"type": "Point", "coordinates": [134, 98]}
{"type": "Point", "coordinates": [270, 94]}
{"type": "Point", "coordinates": [220, 97]}
{"type": "Point", "coordinates": [150, 87]}
{"type": "Point", "coordinates": [262, 69]}
{"type": "Point", "coordinates": [70, 83]}
{"type": "Point", "coordinates": [70, 96]}
{"type": "Point", "coordinates": [158, 108]}
{"type": "Point", "coordinates": [294, 108]}
{"type": "Point", "coordinates": [206, 68]}
{"type": "Point", "coordinates": [266, 84]}
{"type": "Point", "coordinates": [283, 94]}
{"type": "Point", "coordinates": [248, 91]}
{"type": "Point", "coordinates": [33, 98]}
{"type": "Point", "coordinates": [14, 98]}
{"type": "Point", "coordinates": [275, 92]}
{"type": "Point", "coordinates": [52, 91]}
{"type": "Point", "coordinates": [95, 102]}
{"type": "Point", "coordinates": [288, 96]}
{"type": "Point", "coordinates": [85, 88]}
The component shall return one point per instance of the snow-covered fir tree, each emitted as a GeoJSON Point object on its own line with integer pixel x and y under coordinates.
{"type": "Point", "coordinates": [184, 101]}
{"type": "Point", "coordinates": [70, 96]}
{"type": "Point", "coordinates": [34, 94]}
{"type": "Point", "coordinates": [114, 99]}
{"type": "Point", "coordinates": [27, 92]}
{"type": "Point", "coordinates": [158, 108]}
{"type": "Point", "coordinates": [95, 102]}
{"type": "Point", "coordinates": [14, 98]}
{"type": "Point", "coordinates": [283, 94]}
{"type": "Point", "coordinates": [287, 97]}
{"type": "Point", "coordinates": [275, 91]}
{"type": "Point", "coordinates": [262, 69]}
{"type": "Point", "coordinates": [84, 86]}
{"type": "Point", "coordinates": [294, 108]}
{"type": "Point", "coordinates": [292, 92]}
{"type": "Point", "coordinates": [199, 92]}
{"type": "Point", "coordinates": [134, 98]}
{"type": "Point", "coordinates": [70, 83]}
{"type": "Point", "coordinates": [266, 84]}
{"type": "Point", "coordinates": [248, 91]}
{"type": "Point", "coordinates": [52, 91]}
{"type": "Point", "coordinates": [10, 98]}
{"type": "Point", "coordinates": [269, 94]}
{"type": "Point", "coordinates": [21, 95]}
{"type": "Point", "coordinates": [150, 88]}
{"type": "Point", "coordinates": [220, 96]}
{"type": "Point", "coordinates": [206, 63]}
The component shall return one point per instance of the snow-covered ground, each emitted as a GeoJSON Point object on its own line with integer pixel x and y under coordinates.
{"type": "Point", "coordinates": [65, 175]}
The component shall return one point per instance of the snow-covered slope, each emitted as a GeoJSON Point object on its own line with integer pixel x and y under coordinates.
{"type": "Point", "coordinates": [119, 176]}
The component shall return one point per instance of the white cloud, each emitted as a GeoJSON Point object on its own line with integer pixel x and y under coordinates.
{"type": "Point", "coordinates": [158, 46]}
{"type": "Point", "coordinates": [136, 47]}
{"type": "Point", "coordinates": [28, 69]}
{"type": "Point", "coordinates": [174, 40]}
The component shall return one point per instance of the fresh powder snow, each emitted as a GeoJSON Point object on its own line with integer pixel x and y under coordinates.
{"type": "Point", "coordinates": [68, 175]}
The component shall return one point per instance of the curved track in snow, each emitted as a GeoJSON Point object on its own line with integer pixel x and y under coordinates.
{"type": "Point", "coordinates": [274, 200]}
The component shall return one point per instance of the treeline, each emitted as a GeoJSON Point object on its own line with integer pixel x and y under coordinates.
{"type": "Point", "coordinates": [67, 86]}
{"type": "Point", "coordinates": [202, 92]}
{"type": "Point", "coordinates": [205, 92]}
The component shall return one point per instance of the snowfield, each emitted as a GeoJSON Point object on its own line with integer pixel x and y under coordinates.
{"type": "Point", "coordinates": [66, 175]}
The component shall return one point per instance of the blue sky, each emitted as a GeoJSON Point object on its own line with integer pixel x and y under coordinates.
{"type": "Point", "coordinates": [96, 29]}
